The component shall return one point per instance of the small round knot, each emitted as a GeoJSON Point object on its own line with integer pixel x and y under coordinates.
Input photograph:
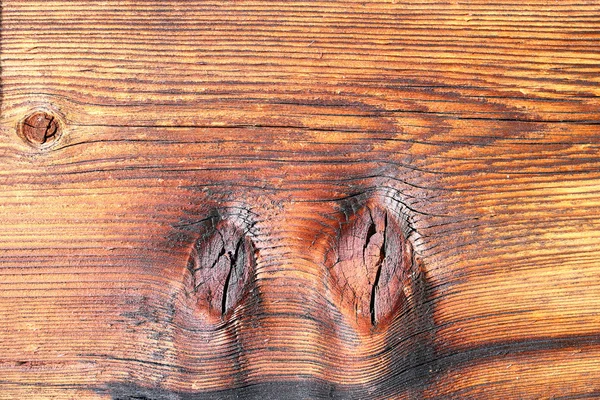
{"type": "Point", "coordinates": [40, 128]}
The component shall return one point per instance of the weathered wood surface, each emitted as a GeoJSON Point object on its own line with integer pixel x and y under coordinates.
{"type": "Point", "coordinates": [300, 200]}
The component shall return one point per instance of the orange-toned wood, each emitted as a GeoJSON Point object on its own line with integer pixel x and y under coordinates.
{"type": "Point", "coordinates": [299, 200]}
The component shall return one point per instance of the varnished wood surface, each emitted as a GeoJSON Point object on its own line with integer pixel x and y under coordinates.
{"type": "Point", "coordinates": [224, 170]}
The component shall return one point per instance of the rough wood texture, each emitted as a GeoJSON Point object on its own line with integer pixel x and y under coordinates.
{"type": "Point", "coordinates": [300, 200]}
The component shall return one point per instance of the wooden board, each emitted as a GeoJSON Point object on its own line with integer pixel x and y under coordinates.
{"type": "Point", "coordinates": [299, 200]}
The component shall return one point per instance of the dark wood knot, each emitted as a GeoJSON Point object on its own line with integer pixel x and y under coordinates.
{"type": "Point", "coordinates": [372, 265]}
{"type": "Point", "coordinates": [40, 128]}
{"type": "Point", "coordinates": [222, 264]}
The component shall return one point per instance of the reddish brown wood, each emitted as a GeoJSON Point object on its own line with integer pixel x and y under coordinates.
{"type": "Point", "coordinates": [413, 185]}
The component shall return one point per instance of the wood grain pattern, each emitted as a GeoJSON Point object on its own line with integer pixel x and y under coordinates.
{"type": "Point", "coordinates": [473, 126]}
